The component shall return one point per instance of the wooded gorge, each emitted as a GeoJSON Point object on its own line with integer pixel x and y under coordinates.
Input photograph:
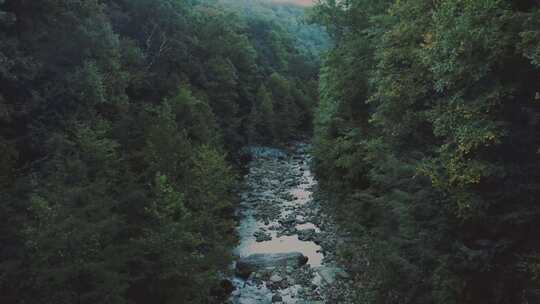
{"type": "Point", "coordinates": [120, 126]}
{"type": "Point", "coordinates": [123, 125]}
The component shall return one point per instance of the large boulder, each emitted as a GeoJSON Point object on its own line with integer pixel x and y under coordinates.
{"type": "Point", "coordinates": [246, 265]}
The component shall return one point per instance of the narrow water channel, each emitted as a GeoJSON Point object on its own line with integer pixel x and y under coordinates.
{"type": "Point", "coordinates": [279, 216]}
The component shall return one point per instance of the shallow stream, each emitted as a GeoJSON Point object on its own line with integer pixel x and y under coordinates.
{"type": "Point", "coordinates": [278, 215]}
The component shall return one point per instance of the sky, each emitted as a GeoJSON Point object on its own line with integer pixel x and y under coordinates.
{"type": "Point", "coordinates": [298, 2]}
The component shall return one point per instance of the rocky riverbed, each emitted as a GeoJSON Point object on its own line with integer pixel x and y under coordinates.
{"type": "Point", "coordinates": [287, 245]}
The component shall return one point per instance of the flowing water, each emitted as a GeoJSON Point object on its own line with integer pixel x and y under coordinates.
{"type": "Point", "coordinates": [279, 215]}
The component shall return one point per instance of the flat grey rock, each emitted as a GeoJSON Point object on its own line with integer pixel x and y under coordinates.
{"type": "Point", "coordinates": [246, 265]}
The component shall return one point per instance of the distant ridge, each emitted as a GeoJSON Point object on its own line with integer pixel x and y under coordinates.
{"type": "Point", "coordinates": [296, 2]}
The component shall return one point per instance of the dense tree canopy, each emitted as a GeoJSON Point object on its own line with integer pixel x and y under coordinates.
{"type": "Point", "coordinates": [427, 134]}
{"type": "Point", "coordinates": [120, 121]}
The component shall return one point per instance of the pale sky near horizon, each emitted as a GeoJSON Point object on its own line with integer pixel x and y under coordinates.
{"type": "Point", "coordinates": [299, 2]}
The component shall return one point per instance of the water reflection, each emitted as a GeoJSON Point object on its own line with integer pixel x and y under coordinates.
{"type": "Point", "coordinates": [284, 244]}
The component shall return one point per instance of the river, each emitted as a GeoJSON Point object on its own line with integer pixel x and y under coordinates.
{"type": "Point", "coordinates": [280, 216]}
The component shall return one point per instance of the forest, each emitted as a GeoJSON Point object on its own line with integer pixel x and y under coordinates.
{"type": "Point", "coordinates": [123, 126]}
{"type": "Point", "coordinates": [427, 137]}
{"type": "Point", "coordinates": [121, 123]}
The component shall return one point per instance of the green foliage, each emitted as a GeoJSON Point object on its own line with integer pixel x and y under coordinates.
{"type": "Point", "coordinates": [120, 122]}
{"type": "Point", "coordinates": [427, 129]}
{"type": "Point", "coordinates": [310, 39]}
{"type": "Point", "coordinates": [288, 52]}
{"type": "Point", "coordinates": [262, 116]}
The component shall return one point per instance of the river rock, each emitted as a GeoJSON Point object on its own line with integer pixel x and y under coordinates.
{"type": "Point", "coordinates": [287, 196]}
{"type": "Point", "coordinates": [329, 274]}
{"type": "Point", "coordinates": [261, 236]}
{"type": "Point", "coordinates": [292, 183]}
{"type": "Point", "coordinates": [253, 295]}
{"type": "Point", "coordinates": [288, 221]}
{"type": "Point", "coordinates": [246, 265]}
{"type": "Point", "coordinates": [306, 234]}
{"type": "Point", "coordinates": [276, 278]}
{"type": "Point", "coordinates": [276, 298]}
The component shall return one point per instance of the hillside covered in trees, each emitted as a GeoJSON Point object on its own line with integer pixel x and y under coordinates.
{"type": "Point", "coordinates": [121, 122]}
{"type": "Point", "coordinates": [123, 125]}
{"type": "Point", "coordinates": [427, 138]}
